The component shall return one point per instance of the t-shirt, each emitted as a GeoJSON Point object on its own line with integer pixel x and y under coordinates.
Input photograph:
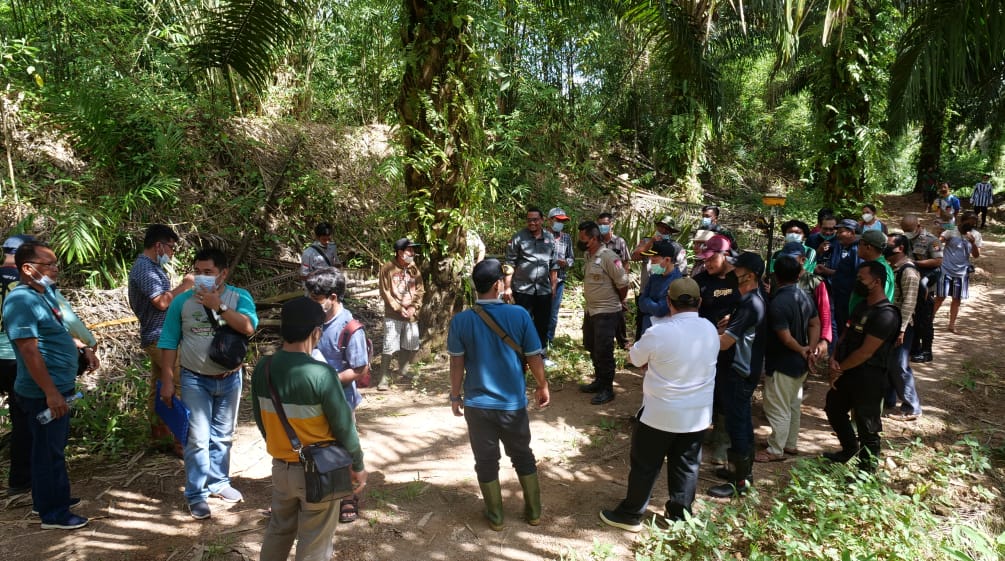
{"type": "Point", "coordinates": [603, 276]}
{"type": "Point", "coordinates": [147, 280]}
{"type": "Point", "coordinates": [948, 207]}
{"type": "Point", "coordinates": [188, 329]}
{"type": "Point", "coordinates": [719, 296]}
{"type": "Point", "coordinates": [29, 314]}
{"type": "Point", "coordinates": [881, 320]}
{"type": "Point", "coordinates": [746, 327]}
{"type": "Point", "coordinates": [317, 256]}
{"type": "Point", "coordinates": [955, 254]}
{"type": "Point", "coordinates": [355, 355]}
{"type": "Point", "coordinates": [9, 278]}
{"type": "Point", "coordinates": [494, 377]}
{"type": "Point", "coordinates": [312, 400]}
{"type": "Point", "coordinates": [791, 309]}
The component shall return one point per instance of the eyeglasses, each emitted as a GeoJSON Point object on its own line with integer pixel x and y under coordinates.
{"type": "Point", "coordinates": [51, 264]}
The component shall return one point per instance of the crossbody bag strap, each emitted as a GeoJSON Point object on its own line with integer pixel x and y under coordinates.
{"type": "Point", "coordinates": [322, 254]}
{"type": "Point", "coordinates": [498, 330]}
{"type": "Point", "coordinates": [290, 433]}
{"type": "Point", "coordinates": [213, 322]}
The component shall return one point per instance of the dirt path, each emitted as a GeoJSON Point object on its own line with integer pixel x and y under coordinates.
{"type": "Point", "coordinates": [423, 500]}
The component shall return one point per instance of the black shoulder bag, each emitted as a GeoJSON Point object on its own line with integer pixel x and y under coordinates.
{"type": "Point", "coordinates": [327, 474]}
{"type": "Point", "coordinates": [229, 347]}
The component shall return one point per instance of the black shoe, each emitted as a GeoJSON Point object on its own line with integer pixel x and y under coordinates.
{"type": "Point", "coordinates": [928, 357]}
{"type": "Point", "coordinates": [724, 473]}
{"type": "Point", "coordinates": [628, 523]}
{"type": "Point", "coordinates": [920, 357]}
{"type": "Point", "coordinates": [593, 387]}
{"type": "Point", "coordinates": [728, 490]}
{"type": "Point", "coordinates": [603, 396]}
{"type": "Point", "coordinates": [840, 457]}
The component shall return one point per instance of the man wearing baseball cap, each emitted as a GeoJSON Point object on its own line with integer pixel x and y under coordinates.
{"type": "Point", "coordinates": [652, 300]}
{"type": "Point", "coordinates": [665, 228]}
{"type": "Point", "coordinates": [565, 258]}
{"type": "Point", "coordinates": [870, 248]}
{"type": "Point", "coordinates": [841, 269]}
{"type": "Point", "coordinates": [401, 289]}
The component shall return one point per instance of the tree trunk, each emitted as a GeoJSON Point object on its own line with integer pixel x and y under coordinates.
{"type": "Point", "coordinates": [930, 153]}
{"type": "Point", "coordinates": [440, 141]}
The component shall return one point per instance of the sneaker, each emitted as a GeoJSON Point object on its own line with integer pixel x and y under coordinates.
{"type": "Point", "coordinates": [623, 521]}
{"type": "Point", "coordinates": [200, 510]}
{"type": "Point", "coordinates": [72, 522]}
{"type": "Point", "coordinates": [840, 457]}
{"type": "Point", "coordinates": [74, 501]}
{"type": "Point", "coordinates": [228, 495]}
{"type": "Point", "coordinates": [548, 363]}
{"type": "Point", "coordinates": [603, 396]}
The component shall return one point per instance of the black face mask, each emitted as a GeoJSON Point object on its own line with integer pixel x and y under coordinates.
{"type": "Point", "coordinates": [861, 288]}
{"type": "Point", "coordinates": [966, 228]}
{"type": "Point", "coordinates": [888, 252]}
{"type": "Point", "coordinates": [583, 246]}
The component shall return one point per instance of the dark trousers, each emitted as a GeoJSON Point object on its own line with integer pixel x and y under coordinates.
{"type": "Point", "coordinates": [488, 427]}
{"type": "Point", "coordinates": [983, 212]}
{"type": "Point", "coordinates": [539, 308]}
{"type": "Point", "coordinates": [902, 383]}
{"type": "Point", "coordinates": [683, 456]}
{"type": "Point", "coordinates": [50, 484]}
{"type": "Point", "coordinates": [841, 314]}
{"type": "Point", "coordinates": [598, 338]}
{"type": "Point", "coordinates": [924, 328]}
{"type": "Point", "coordinates": [20, 435]}
{"type": "Point", "coordinates": [733, 394]}
{"type": "Point", "coordinates": [860, 391]}
{"type": "Point", "coordinates": [622, 333]}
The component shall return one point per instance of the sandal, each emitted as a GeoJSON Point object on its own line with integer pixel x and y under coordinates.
{"type": "Point", "coordinates": [791, 451]}
{"type": "Point", "coordinates": [348, 510]}
{"type": "Point", "coordinates": [764, 456]}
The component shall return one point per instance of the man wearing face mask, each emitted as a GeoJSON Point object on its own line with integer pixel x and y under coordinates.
{"type": "Point", "coordinates": [19, 446]}
{"type": "Point", "coordinates": [796, 231]}
{"type": "Point", "coordinates": [858, 370]}
{"type": "Point", "coordinates": [401, 290]}
{"type": "Point", "coordinates": [532, 254]}
{"type": "Point", "coordinates": [906, 298]}
{"type": "Point", "coordinates": [617, 244]}
{"type": "Point", "coordinates": [211, 391]}
{"type": "Point", "coordinates": [665, 229]}
{"type": "Point", "coordinates": [605, 286]}
{"type": "Point", "coordinates": [653, 305]}
{"type": "Point", "coordinates": [564, 257]}
{"type": "Point", "coordinates": [150, 294]}
{"type": "Point", "coordinates": [47, 359]}
{"type": "Point", "coordinates": [926, 252]}
{"type": "Point", "coordinates": [710, 221]}
{"type": "Point", "coordinates": [840, 270]}
{"type": "Point", "coordinates": [321, 253]}
{"type": "Point", "coordinates": [870, 248]}
{"type": "Point", "coordinates": [959, 245]}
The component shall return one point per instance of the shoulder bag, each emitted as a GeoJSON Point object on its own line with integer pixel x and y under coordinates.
{"type": "Point", "coordinates": [229, 347]}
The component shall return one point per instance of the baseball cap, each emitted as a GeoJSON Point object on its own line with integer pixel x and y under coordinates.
{"type": "Point", "coordinates": [716, 244]}
{"type": "Point", "coordinates": [661, 248]}
{"type": "Point", "coordinates": [750, 261]}
{"type": "Point", "coordinates": [557, 213]}
{"type": "Point", "coordinates": [11, 244]}
{"type": "Point", "coordinates": [299, 317]}
{"type": "Point", "coordinates": [702, 235]}
{"type": "Point", "coordinates": [403, 243]}
{"type": "Point", "coordinates": [875, 238]}
{"type": "Point", "coordinates": [684, 291]}
{"type": "Point", "coordinates": [667, 221]}
{"type": "Point", "coordinates": [848, 224]}
{"type": "Point", "coordinates": [486, 272]}
{"type": "Point", "coordinates": [793, 249]}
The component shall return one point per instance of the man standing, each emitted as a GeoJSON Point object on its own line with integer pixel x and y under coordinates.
{"type": "Point", "coordinates": [617, 244]}
{"type": "Point", "coordinates": [948, 206]}
{"type": "Point", "coordinates": [565, 257]}
{"type": "Point", "coordinates": [315, 406]}
{"type": "Point", "coordinates": [870, 248]}
{"type": "Point", "coordinates": [532, 254]}
{"type": "Point", "coordinates": [710, 221]}
{"type": "Point", "coordinates": [605, 286]}
{"type": "Point", "coordinates": [858, 370]}
{"type": "Point", "coordinates": [652, 300]}
{"type": "Point", "coordinates": [19, 476]}
{"type": "Point", "coordinates": [665, 228]}
{"type": "Point", "coordinates": [344, 351]}
{"type": "Point", "coordinates": [321, 253]}
{"type": "Point", "coordinates": [47, 358]}
{"type": "Point", "coordinates": [494, 398]}
{"type": "Point", "coordinates": [150, 294]}
{"type": "Point", "coordinates": [926, 252]}
{"type": "Point", "coordinates": [906, 299]}
{"type": "Point", "coordinates": [212, 392]}
{"type": "Point", "coordinates": [983, 197]}
{"type": "Point", "coordinates": [401, 289]}
{"type": "Point", "coordinates": [676, 408]}
{"type": "Point", "coordinates": [958, 246]}
{"type": "Point", "coordinates": [793, 334]}
{"type": "Point", "coordinates": [738, 370]}
{"type": "Point", "coordinates": [841, 269]}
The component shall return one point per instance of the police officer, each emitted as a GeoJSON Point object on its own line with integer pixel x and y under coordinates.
{"type": "Point", "coordinates": [926, 252]}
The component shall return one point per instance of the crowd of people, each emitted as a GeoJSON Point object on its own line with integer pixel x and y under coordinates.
{"type": "Point", "coordinates": [851, 298]}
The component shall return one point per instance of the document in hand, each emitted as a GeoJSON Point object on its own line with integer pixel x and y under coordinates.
{"type": "Point", "coordinates": [175, 417]}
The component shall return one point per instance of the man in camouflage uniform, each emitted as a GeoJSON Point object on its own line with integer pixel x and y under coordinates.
{"type": "Point", "coordinates": [926, 252]}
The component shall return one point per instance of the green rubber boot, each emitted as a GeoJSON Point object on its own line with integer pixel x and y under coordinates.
{"type": "Point", "coordinates": [492, 494]}
{"type": "Point", "coordinates": [383, 373]}
{"type": "Point", "coordinates": [531, 498]}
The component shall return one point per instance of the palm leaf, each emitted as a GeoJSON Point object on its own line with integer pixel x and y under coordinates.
{"type": "Point", "coordinates": [247, 36]}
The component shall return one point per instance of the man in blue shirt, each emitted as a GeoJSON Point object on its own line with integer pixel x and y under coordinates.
{"type": "Point", "coordinates": [840, 270]}
{"type": "Point", "coordinates": [494, 399]}
{"type": "Point", "coordinates": [47, 360]}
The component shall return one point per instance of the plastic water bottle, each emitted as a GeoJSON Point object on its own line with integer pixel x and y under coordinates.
{"type": "Point", "coordinates": [45, 416]}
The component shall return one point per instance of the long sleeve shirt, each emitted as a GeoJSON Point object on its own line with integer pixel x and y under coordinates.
{"type": "Point", "coordinates": [400, 287]}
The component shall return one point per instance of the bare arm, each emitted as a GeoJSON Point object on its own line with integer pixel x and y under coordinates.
{"type": "Point", "coordinates": [536, 364]}
{"type": "Point", "coordinates": [456, 378]}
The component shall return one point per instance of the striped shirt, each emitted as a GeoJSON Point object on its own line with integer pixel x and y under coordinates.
{"type": "Point", "coordinates": [983, 194]}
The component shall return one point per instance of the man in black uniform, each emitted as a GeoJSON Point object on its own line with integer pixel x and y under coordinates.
{"type": "Point", "coordinates": [858, 370]}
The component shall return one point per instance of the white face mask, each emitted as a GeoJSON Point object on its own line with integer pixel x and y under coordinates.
{"type": "Point", "coordinates": [706, 222]}
{"type": "Point", "coordinates": [205, 282]}
{"type": "Point", "coordinates": [794, 237]}
{"type": "Point", "coordinates": [45, 281]}
{"type": "Point", "coordinates": [408, 259]}
{"type": "Point", "coordinates": [867, 217]}
{"type": "Point", "coordinates": [163, 260]}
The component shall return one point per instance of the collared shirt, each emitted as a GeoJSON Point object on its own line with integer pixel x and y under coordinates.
{"type": "Point", "coordinates": [618, 245]}
{"type": "Point", "coordinates": [9, 278]}
{"type": "Point", "coordinates": [317, 256]}
{"type": "Point", "coordinates": [906, 295]}
{"type": "Point", "coordinates": [603, 277]}
{"type": "Point", "coordinates": [399, 288]}
{"type": "Point", "coordinates": [533, 259]}
{"type": "Point", "coordinates": [563, 250]}
{"type": "Point", "coordinates": [925, 246]}
{"type": "Point", "coordinates": [147, 280]}
{"type": "Point", "coordinates": [187, 328]}
{"type": "Point", "coordinates": [678, 387]}
{"type": "Point", "coordinates": [355, 355]}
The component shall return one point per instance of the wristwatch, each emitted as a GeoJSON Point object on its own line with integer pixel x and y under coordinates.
{"type": "Point", "coordinates": [457, 399]}
{"type": "Point", "coordinates": [223, 308]}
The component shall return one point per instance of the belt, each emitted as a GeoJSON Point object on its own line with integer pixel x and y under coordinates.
{"type": "Point", "coordinates": [214, 376]}
{"type": "Point", "coordinates": [284, 462]}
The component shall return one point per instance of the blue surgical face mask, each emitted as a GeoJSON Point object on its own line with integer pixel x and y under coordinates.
{"type": "Point", "coordinates": [794, 237]}
{"type": "Point", "coordinates": [557, 226]}
{"type": "Point", "coordinates": [163, 260]}
{"type": "Point", "coordinates": [706, 222]}
{"type": "Point", "coordinates": [205, 282]}
{"type": "Point", "coordinates": [604, 228]}
{"type": "Point", "coordinates": [657, 269]}
{"type": "Point", "coordinates": [44, 281]}
{"type": "Point", "coordinates": [828, 238]}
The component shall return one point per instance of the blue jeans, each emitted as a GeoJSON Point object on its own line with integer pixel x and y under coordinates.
{"type": "Point", "coordinates": [50, 484]}
{"type": "Point", "coordinates": [902, 386]}
{"type": "Point", "coordinates": [213, 402]}
{"type": "Point", "coordinates": [556, 303]}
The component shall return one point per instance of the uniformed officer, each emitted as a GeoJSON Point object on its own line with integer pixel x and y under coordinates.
{"type": "Point", "coordinates": [926, 252]}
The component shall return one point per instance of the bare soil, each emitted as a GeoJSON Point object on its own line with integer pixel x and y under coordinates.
{"type": "Point", "coordinates": [423, 501]}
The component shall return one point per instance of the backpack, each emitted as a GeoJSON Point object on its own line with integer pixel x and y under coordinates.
{"type": "Point", "coordinates": [923, 286]}
{"type": "Point", "coordinates": [887, 357]}
{"type": "Point", "coordinates": [348, 331]}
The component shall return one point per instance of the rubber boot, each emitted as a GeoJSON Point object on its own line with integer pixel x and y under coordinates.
{"type": "Point", "coordinates": [740, 483]}
{"type": "Point", "coordinates": [382, 373]}
{"type": "Point", "coordinates": [405, 359]}
{"type": "Point", "coordinates": [492, 495]}
{"type": "Point", "coordinates": [531, 498]}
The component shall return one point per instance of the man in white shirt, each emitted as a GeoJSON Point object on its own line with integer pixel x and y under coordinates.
{"type": "Point", "coordinates": [676, 408]}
